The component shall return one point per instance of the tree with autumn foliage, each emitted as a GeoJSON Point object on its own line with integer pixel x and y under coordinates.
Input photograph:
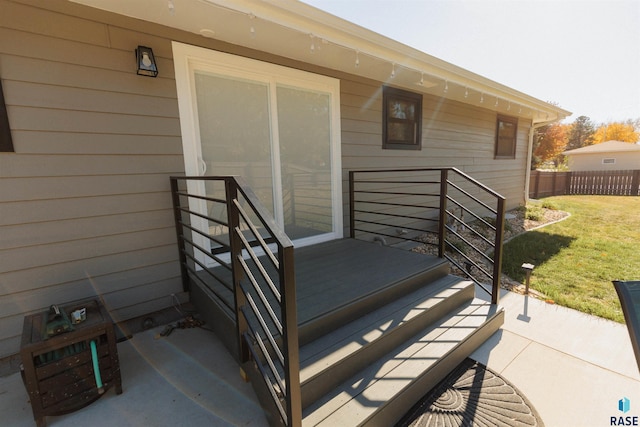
{"type": "Point", "coordinates": [616, 131]}
{"type": "Point", "coordinates": [580, 133]}
{"type": "Point", "coordinates": [550, 142]}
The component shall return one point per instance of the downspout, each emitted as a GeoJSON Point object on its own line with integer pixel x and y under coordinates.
{"type": "Point", "coordinates": [532, 131]}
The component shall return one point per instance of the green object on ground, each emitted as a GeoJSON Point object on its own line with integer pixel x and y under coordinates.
{"type": "Point", "coordinates": [96, 367]}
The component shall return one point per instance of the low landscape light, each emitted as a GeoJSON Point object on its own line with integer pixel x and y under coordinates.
{"type": "Point", "coordinates": [528, 268]}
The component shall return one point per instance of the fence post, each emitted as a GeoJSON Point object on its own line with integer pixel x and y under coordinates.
{"type": "Point", "coordinates": [444, 176]}
{"type": "Point", "coordinates": [536, 184]}
{"type": "Point", "coordinates": [635, 183]}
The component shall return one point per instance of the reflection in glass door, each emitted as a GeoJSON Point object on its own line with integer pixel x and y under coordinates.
{"type": "Point", "coordinates": [305, 161]}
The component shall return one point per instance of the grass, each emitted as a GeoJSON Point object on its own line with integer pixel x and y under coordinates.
{"type": "Point", "coordinates": [577, 259]}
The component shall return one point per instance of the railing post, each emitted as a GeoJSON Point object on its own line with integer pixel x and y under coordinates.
{"type": "Point", "coordinates": [177, 216]}
{"type": "Point", "coordinates": [497, 252]}
{"type": "Point", "coordinates": [444, 177]}
{"type": "Point", "coordinates": [233, 219]}
{"type": "Point", "coordinates": [352, 202]}
{"type": "Point", "coordinates": [290, 338]}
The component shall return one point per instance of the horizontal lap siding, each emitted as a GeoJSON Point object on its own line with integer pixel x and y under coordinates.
{"type": "Point", "coordinates": [453, 135]}
{"type": "Point", "coordinates": [85, 207]}
{"type": "Point", "coordinates": [624, 160]}
{"type": "Point", "coordinates": [84, 201]}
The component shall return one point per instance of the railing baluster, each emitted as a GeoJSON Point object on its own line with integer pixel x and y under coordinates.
{"type": "Point", "coordinates": [442, 225]}
{"type": "Point", "coordinates": [290, 342]}
{"type": "Point", "coordinates": [240, 300]}
{"type": "Point", "coordinates": [352, 205]}
{"type": "Point", "coordinates": [497, 253]}
{"type": "Point", "coordinates": [177, 214]}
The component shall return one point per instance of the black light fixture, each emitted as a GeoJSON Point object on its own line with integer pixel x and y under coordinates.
{"type": "Point", "coordinates": [146, 62]}
{"type": "Point", "coordinates": [528, 268]}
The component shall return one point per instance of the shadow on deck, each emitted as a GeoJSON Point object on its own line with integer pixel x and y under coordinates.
{"type": "Point", "coordinates": [343, 276]}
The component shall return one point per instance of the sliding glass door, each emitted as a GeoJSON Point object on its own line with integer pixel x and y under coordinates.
{"type": "Point", "coordinates": [276, 127]}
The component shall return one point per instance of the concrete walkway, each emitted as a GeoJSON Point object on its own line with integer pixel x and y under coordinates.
{"type": "Point", "coordinates": [185, 379]}
{"type": "Point", "coordinates": [573, 368]}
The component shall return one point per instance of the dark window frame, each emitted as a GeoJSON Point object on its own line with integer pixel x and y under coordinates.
{"type": "Point", "coordinates": [392, 125]}
{"type": "Point", "coordinates": [6, 143]}
{"type": "Point", "coordinates": [513, 139]}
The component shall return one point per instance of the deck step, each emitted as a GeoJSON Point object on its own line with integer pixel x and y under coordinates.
{"type": "Point", "coordinates": [385, 389]}
{"type": "Point", "coordinates": [333, 358]}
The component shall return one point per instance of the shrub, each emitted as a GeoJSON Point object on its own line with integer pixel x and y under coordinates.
{"type": "Point", "coordinates": [547, 204]}
{"type": "Point", "coordinates": [534, 213]}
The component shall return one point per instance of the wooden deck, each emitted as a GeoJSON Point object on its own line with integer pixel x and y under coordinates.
{"type": "Point", "coordinates": [369, 316]}
{"type": "Point", "coordinates": [339, 274]}
{"type": "Point", "coordinates": [318, 327]}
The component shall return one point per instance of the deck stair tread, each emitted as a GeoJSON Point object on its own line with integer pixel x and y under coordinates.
{"type": "Point", "coordinates": [334, 357]}
{"type": "Point", "coordinates": [327, 301]}
{"type": "Point", "coordinates": [392, 384]}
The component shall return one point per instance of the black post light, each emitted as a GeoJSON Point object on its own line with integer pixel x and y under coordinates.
{"type": "Point", "coordinates": [528, 268]}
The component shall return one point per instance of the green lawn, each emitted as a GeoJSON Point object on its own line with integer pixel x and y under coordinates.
{"type": "Point", "coordinates": [576, 259]}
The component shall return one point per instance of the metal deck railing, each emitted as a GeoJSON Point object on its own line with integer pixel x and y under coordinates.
{"type": "Point", "coordinates": [223, 227]}
{"type": "Point", "coordinates": [231, 245]}
{"type": "Point", "coordinates": [439, 207]}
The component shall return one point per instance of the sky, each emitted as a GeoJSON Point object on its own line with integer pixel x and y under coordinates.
{"type": "Point", "coordinates": [583, 55]}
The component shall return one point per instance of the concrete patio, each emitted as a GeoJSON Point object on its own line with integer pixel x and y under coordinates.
{"type": "Point", "coordinates": [574, 368]}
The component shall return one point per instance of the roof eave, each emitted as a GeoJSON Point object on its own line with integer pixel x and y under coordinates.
{"type": "Point", "coordinates": [288, 28]}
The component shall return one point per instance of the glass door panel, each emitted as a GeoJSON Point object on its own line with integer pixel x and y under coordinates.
{"type": "Point", "coordinates": [235, 138]}
{"type": "Point", "coordinates": [235, 131]}
{"type": "Point", "coordinates": [304, 129]}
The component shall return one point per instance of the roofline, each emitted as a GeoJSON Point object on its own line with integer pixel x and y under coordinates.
{"type": "Point", "coordinates": [593, 149]}
{"type": "Point", "coordinates": [404, 54]}
{"type": "Point", "coordinates": [311, 21]}
{"type": "Point", "coordinates": [366, 41]}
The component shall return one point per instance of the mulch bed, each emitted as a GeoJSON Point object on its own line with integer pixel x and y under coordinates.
{"type": "Point", "coordinates": [515, 224]}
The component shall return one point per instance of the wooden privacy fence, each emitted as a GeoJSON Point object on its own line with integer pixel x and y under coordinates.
{"type": "Point", "coordinates": [618, 183]}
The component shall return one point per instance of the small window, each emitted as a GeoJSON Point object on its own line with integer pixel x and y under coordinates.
{"type": "Point", "coordinates": [609, 161]}
{"type": "Point", "coordinates": [401, 119]}
{"type": "Point", "coordinates": [506, 137]}
{"type": "Point", "coordinates": [6, 144]}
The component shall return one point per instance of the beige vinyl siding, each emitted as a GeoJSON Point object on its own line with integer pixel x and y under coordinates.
{"type": "Point", "coordinates": [453, 134]}
{"type": "Point", "coordinates": [85, 207]}
{"type": "Point", "coordinates": [624, 160]}
{"type": "Point", "coordinates": [84, 201]}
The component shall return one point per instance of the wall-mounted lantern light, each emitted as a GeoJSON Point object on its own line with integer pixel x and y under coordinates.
{"type": "Point", "coordinates": [146, 62]}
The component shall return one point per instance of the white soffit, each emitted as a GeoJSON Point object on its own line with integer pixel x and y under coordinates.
{"type": "Point", "coordinates": [298, 31]}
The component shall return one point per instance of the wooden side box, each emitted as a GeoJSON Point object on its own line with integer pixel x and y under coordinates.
{"type": "Point", "coordinates": [58, 371]}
